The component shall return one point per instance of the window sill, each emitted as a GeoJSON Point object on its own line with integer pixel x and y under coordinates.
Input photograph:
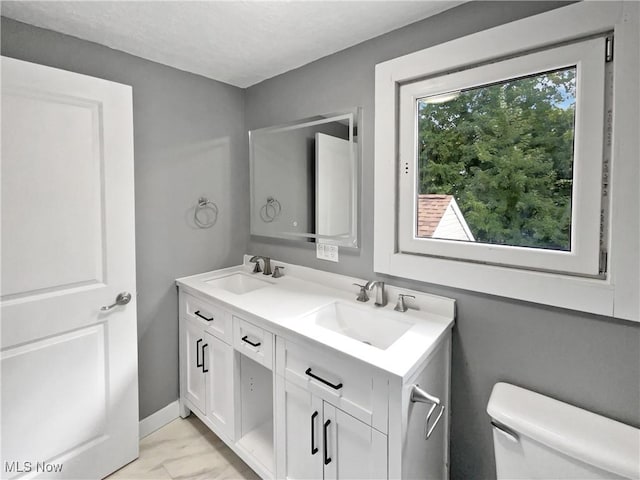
{"type": "Point", "coordinates": [575, 293]}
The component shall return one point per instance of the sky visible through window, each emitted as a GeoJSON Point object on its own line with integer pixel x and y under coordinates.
{"type": "Point", "coordinates": [504, 154]}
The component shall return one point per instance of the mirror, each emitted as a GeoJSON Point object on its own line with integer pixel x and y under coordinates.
{"type": "Point", "coordinates": [304, 180]}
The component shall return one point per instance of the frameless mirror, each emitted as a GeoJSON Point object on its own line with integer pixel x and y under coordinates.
{"type": "Point", "coordinates": [304, 180]}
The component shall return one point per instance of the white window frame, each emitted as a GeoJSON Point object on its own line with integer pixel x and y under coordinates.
{"type": "Point", "coordinates": [614, 294]}
{"type": "Point", "coordinates": [583, 258]}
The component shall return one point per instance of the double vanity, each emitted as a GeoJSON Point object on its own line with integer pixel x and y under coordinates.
{"type": "Point", "coordinates": [301, 380]}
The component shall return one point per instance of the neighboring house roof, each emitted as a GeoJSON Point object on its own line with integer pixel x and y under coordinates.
{"type": "Point", "coordinates": [440, 217]}
{"type": "Point", "coordinates": [431, 208]}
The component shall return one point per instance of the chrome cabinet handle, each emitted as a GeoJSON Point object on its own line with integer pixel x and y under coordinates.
{"type": "Point", "coordinates": [122, 299]}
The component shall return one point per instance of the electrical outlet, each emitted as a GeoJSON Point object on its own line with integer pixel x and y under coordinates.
{"type": "Point", "coordinates": [331, 252]}
{"type": "Point", "coordinates": [327, 252]}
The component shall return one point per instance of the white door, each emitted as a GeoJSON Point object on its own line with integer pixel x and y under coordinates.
{"type": "Point", "coordinates": [69, 370]}
{"type": "Point", "coordinates": [219, 368]}
{"type": "Point", "coordinates": [334, 179]}
{"type": "Point", "coordinates": [354, 450]}
{"type": "Point", "coordinates": [194, 368]}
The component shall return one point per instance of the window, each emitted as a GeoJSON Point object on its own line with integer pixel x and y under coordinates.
{"type": "Point", "coordinates": [502, 163]}
{"type": "Point", "coordinates": [506, 161]}
{"type": "Point", "coordinates": [494, 163]}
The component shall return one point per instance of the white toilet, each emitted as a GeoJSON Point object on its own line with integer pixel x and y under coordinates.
{"type": "Point", "coordinates": [537, 437]}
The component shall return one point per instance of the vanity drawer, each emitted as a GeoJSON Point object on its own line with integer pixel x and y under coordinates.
{"type": "Point", "coordinates": [254, 342]}
{"type": "Point", "coordinates": [214, 319]}
{"type": "Point", "coordinates": [350, 385]}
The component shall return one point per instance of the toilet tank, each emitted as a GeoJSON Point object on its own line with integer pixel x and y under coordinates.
{"type": "Point", "coordinates": [537, 437]}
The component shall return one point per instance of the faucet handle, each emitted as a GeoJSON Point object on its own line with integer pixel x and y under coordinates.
{"type": "Point", "coordinates": [276, 271]}
{"type": "Point", "coordinates": [257, 268]}
{"type": "Point", "coordinates": [401, 306]}
{"type": "Point", "coordinates": [362, 296]}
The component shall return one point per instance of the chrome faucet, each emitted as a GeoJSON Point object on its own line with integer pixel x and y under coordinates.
{"type": "Point", "coordinates": [381, 297]}
{"type": "Point", "coordinates": [267, 264]}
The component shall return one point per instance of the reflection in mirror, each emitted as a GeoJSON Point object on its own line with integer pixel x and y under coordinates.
{"type": "Point", "coordinates": [304, 180]}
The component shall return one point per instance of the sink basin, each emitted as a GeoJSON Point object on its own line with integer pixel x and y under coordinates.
{"type": "Point", "coordinates": [377, 329]}
{"type": "Point", "coordinates": [238, 283]}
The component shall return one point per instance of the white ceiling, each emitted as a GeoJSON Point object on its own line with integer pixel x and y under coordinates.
{"type": "Point", "coordinates": [237, 42]}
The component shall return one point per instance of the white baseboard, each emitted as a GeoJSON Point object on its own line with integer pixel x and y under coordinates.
{"type": "Point", "coordinates": [159, 419]}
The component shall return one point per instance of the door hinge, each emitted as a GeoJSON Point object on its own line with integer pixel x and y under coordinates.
{"type": "Point", "coordinates": [608, 49]}
{"type": "Point", "coordinates": [602, 268]}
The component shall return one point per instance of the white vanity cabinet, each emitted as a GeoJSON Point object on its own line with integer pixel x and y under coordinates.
{"type": "Point", "coordinates": [206, 369]}
{"type": "Point", "coordinates": [226, 378]}
{"type": "Point", "coordinates": [328, 405]}
{"type": "Point", "coordinates": [298, 401]}
{"type": "Point", "coordinates": [355, 387]}
{"type": "Point", "coordinates": [318, 440]}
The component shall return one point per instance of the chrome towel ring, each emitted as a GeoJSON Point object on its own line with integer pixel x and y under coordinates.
{"type": "Point", "coordinates": [421, 396]}
{"type": "Point", "coordinates": [270, 210]}
{"type": "Point", "coordinates": [205, 214]}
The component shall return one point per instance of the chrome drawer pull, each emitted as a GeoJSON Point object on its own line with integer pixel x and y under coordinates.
{"type": "Point", "coordinates": [335, 387]}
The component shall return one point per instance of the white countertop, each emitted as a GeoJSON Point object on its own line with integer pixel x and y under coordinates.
{"type": "Point", "coordinates": [288, 302]}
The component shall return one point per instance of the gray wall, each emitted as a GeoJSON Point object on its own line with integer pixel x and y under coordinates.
{"type": "Point", "coordinates": [589, 361]}
{"type": "Point", "coordinates": [190, 140]}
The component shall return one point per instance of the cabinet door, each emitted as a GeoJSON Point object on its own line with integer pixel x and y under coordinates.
{"type": "Point", "coordinates": [300, 438]}
{"type": "Point", "coordinates": [219, 380]}
{"type": "Point", "coordinates": [353, 448]}
{"type": "Point", "coordinates": [194, 364]}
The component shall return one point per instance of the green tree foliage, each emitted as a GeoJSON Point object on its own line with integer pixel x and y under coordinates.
{"type": "Point", "coordinates": [505, 152]}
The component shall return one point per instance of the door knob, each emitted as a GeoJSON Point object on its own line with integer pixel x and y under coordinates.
{"type": "Point", "coordinates": [122, 299]}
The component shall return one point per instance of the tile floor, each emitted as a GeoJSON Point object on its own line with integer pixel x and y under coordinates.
{"type": "Point", "coordinates": [184, 449]}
